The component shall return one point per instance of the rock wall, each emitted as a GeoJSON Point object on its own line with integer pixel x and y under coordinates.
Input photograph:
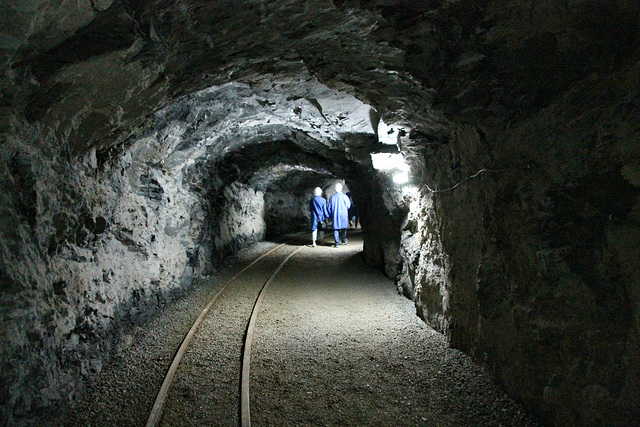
{"type": "Point", "coordinates": [521, 243]}
{"type": "Point", "coordinates": [443, 235]}
{"type": "Point", "coordinates": [523, 250]}
{"type": "Point", "coordinates": [239, 219]}
{"type": "Point", "coordinates": [88, 247]}
{"type": "Point", "coordinates": [423, 274]}
{"type": "Point", "coordinates": [382, 210]}
{"type": "Point", "coordinates": [556, 233]}
{"type": "Point", "coordinates": [286, 212]}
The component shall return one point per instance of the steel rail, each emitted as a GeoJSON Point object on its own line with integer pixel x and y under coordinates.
{"type": "Point", "coordinates": [158, 405]}
{"type": "Point", "coordinates": [245, 409]}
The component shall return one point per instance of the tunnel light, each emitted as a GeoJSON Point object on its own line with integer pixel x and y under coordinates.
{"type": "Point", "coordinates": [393, 163]}
{"type": "Point", "coordinates": [409, 191]}
{"type": "Point", "coordinates": [387, 135]}
{"type": "Point", "coordinates": [401, 178]}
{"type": "Point", "coordinates": [389, 161]}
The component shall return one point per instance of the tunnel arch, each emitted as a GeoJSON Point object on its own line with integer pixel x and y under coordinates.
{"type": "Point", "coordinates": [112, 110]}
{"type": "Point", "coordinates": [240, 136]}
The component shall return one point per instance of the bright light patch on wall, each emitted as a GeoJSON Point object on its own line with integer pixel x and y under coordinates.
{"type": "Point", "coordinates": [387, 134]}
{"type": "Point", "coordinates": [392, 162]}
{"type": "Point", "coordinates": [409, 190]}
{"type": "Point", "coordinates": [401, 178]}
{"type": "Point", "coordinates": [389, 161]}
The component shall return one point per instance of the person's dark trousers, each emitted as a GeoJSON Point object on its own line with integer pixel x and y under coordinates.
{"type": "Point", "coordinates": [340, 235]}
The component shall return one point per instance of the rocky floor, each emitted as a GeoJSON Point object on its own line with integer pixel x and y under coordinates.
{"type": "Point", "coordinates": [335, 345]}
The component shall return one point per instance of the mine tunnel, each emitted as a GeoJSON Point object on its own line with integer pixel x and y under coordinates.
{"type": "Point", "coordinates": [491, 149]}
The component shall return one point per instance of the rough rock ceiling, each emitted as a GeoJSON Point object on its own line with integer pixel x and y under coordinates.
{"type": "Point", "coordinates": [198, 80]}
{"type": "Point", "coordinates": [98, 74]}
{"type": "Point", "coordinates": [303, 122]}
{"type": "Point", "coordinates": [100, 84]}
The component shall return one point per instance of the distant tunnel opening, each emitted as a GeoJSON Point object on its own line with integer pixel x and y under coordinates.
{"type": "Point", "coordinates": [248, 161]}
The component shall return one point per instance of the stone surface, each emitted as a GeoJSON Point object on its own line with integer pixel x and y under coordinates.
{"type": "Point", "coordinates": [143, 142]}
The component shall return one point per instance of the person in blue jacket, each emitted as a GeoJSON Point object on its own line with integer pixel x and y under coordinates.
{"type": "Point", "coordinates": [339, 212]}
{"type": "Point", "coordinates": [319, 212]}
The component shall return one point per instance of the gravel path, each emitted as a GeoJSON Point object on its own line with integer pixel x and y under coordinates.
{"type": "Point", "coordinates": [206, 388]}
{"type": "Point", "coordinates": [335, 345]}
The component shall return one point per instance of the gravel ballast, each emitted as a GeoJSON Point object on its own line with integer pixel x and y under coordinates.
{"type": "Point", "coordinates": [335, 345]}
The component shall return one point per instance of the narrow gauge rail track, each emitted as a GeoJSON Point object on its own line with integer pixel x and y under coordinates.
{"type": "Point", "coordinates": [155, 416]}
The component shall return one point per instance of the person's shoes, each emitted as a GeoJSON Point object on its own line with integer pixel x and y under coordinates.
{"type": "Point", "coordinates": [313, 245]}
{"type": "Point", "coordinates": [336, 245]}
{"type": "Point", "coordinates": [345, 242]}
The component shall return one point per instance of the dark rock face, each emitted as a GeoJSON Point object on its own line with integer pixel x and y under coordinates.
{"type": "Point", "coordinates": [143, 143]}
{"type": "Point", "coordinates": [531, 273]}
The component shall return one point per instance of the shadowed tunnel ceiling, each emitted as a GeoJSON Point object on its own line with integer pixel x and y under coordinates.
{"type": "Point", "coordinates": [144, 142]}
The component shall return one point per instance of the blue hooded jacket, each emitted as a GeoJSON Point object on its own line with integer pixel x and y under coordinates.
{"type": "Point", "coordinates": [339, 205]}
{"type": "Point", "coordinates": [319, 212]}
